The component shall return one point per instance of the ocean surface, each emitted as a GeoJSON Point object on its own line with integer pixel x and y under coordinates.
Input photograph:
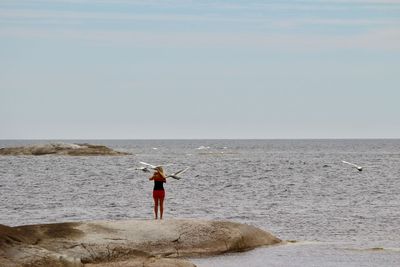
{"type": "Point", "coordinates": [299, 190]}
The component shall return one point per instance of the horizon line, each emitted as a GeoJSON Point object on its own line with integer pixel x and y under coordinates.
{"type": "Point", "coordinates": [183, 139]}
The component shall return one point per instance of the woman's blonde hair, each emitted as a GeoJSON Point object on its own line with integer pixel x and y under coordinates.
{"type": "Point", "coordinates": [160, 170]}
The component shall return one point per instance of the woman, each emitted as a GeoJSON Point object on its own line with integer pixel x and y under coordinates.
{"type": "Point", "coordinates": [158, 191]}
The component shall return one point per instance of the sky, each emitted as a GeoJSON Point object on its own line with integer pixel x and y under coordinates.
{"type": "Point", "coordinates": [159, 69]}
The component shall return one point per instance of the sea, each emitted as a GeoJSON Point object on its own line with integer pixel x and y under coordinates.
{"type": "Point", "coordinates": [329, 213]}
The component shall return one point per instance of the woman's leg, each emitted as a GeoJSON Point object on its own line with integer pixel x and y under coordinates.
{"type": "Point", "coordinates": [156, 208]}
{"type": "Point", "coordinates": [161, 207]}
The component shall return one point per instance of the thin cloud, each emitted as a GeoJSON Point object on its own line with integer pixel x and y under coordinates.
{"type": "Point", "coordinates": [222, 5]}
{"type": "Point", "coordinates": [16, 14]}
{"type": "Point", "coordinates": [171, 2]}
{"type": "Point", "coordinates": [387, 39]}
{"type": "Point", "coordinates": [19, 16]}
{"type": "Point", "coordinates": [45, 10]}
{"type": "Point", "coordinates": [378, 32]}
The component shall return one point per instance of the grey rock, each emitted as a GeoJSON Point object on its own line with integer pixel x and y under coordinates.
{"type": "Point", "coordinates": [126, 243]}
{"type": "Point", "coordinates": [61, 149]}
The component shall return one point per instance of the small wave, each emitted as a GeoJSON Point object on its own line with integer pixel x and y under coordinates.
{"type": "Point", "coordinates": [218, 153]}
{"type": "Point", "coordinates": [203, 147]}
{"type": "Point", "coordinates": [298, 242]}
{"type": "Point", "coordinates": [375, 249]}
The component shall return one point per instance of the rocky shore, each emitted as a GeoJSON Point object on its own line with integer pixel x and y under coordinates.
{"type": "Point", "coordinates": [125, 243]}
{"type": "Point", "coordinates": [61, 149]}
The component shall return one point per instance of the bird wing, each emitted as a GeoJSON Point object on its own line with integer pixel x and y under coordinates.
{"type": "Point", "coordinates": [181, 171]}
{"type": "Point", "coordinates": [154, 166]}
{"type": "Point", "coordinates": [354, 165]}
{"type": "Point", "coordinates": [175, 175]}
{"type": "Point", "coordinates": [147, 164]}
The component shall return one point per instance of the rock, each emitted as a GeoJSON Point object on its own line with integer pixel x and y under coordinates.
{"type": "Point", "coordinates": [18, 248]}
{"type": "Point", "coordinates": [145, 262]}
{"type": "Point", "coordinates": [62, 149]}
{"type": "Point", "coordinates": [125, 243]}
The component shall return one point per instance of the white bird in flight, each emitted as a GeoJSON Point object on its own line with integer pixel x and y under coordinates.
{"type": "Point", "coordinates": [175, 175]}
{"type": "Point", "coordinates": [154, 167]}
{"type": "Point", "coordinates": [354, 165]}
{"type": "Point", "coordinates": [146, 168]}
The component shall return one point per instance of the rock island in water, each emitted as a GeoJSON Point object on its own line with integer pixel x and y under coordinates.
{"type": "Point", "coordinates": [62, 149]}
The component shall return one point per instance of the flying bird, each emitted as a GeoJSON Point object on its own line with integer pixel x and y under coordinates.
{"type": "Point", "coordinates": [175, 175]}
{"type": "Point", "coordinates": [148, 166]}
{"type": "Point", "coordinates": [354, 165]}
{"type": "Point", "coordinates": [154, 167]}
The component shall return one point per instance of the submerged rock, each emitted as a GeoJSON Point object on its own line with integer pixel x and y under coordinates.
{"type": "Point", "coordinates": [125, 243]}
{"type": "Point", "coordinates": [62, 149]}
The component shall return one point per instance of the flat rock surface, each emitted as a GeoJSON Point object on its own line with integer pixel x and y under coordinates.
{"type": "Point", "coordinates": [61, 149]}
{"type": "Point", "coordinates": [125, 243]}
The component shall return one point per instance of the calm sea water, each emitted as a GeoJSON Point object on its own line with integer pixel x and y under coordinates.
{"type": "Point", "coordinates": [297, 189]}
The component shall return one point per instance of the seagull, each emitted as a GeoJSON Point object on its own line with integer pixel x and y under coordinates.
{"type": "Point", "coordinates": [175, 175]}
{"type": "Point", "coordinates": [354, 165]}
{"type": "Point", "coordinates": [150, 166]}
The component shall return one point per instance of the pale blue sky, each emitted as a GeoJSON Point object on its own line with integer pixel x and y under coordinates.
{"type": "Point", "coordinates": [199, 69]}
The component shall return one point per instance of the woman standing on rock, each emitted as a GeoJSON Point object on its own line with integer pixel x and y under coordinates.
{"type": "Point", "coordinates": [158, 191]}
